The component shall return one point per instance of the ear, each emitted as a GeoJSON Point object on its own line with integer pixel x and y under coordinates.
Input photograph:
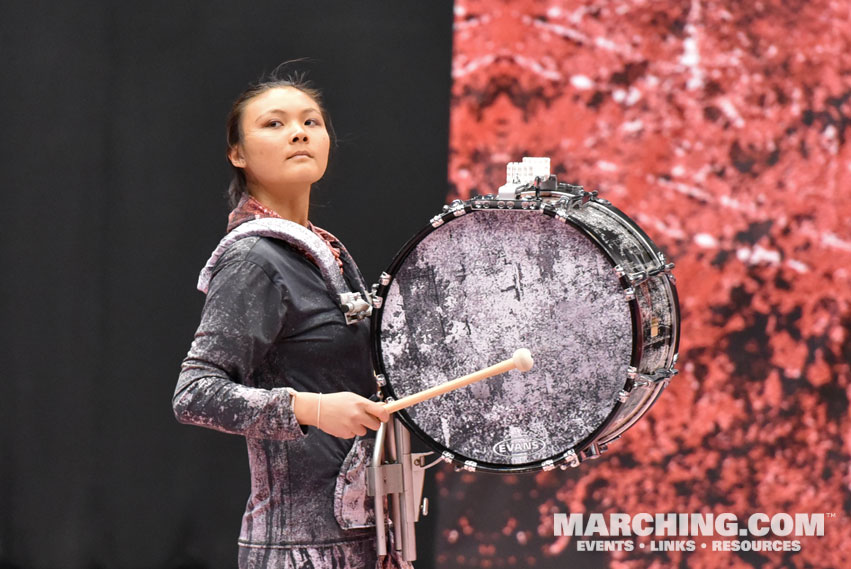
{"type": "Point", "coordinates": [235, 156]}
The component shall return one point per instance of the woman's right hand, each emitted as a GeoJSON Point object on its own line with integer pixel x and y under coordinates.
{"type": "Point", "coordinates": [343, 414]}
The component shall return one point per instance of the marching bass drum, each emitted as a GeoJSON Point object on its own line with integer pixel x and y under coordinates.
{"type": "Point", "coordinates": [561, 272]}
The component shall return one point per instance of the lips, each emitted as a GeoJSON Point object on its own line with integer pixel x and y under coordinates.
{"type": "Point", "coordinates": [300, 153]}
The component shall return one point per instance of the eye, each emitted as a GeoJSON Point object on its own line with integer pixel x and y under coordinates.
{"type": "Point", "coordinates": [274, 122]}
{"type": "Point", "coordinates": [315, 122]}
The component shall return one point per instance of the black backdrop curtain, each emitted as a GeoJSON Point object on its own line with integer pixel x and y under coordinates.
{"type": "Point", "coordinates": [113, 196]}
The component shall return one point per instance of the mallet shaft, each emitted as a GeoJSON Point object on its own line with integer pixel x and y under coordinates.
{"type": "Point", "coordinates": [451, 385]}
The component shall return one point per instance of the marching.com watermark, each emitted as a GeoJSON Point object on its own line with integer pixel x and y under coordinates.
{"type": "Point", "coordinates": [758, 532]}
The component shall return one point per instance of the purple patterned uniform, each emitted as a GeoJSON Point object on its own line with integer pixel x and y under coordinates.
{"type": "Point", "coordinates": [271, 321]}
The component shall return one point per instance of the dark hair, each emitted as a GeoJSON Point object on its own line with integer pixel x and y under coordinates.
{"type": "Point", "coordinates": [279, 77]}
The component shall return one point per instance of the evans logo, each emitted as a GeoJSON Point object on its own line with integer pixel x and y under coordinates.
{"type": "Point", "coordinates": [518, 445]}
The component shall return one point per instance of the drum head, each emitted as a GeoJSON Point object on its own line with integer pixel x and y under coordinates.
{"type": "Point", "coordinates": [469, 293]}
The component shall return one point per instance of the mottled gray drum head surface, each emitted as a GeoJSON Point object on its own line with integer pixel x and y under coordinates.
{"type": "Point", "coordinates": [479, 287]}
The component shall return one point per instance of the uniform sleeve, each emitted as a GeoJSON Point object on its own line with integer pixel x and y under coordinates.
{"type": "Point", "coordinates": [242, 316]}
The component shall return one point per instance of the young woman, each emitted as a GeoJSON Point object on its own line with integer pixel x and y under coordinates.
{"type": "Point", "coordinates": [275, 358]}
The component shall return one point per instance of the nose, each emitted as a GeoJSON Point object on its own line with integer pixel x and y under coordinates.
{"type": "Point", "coordinates": [299, 133]}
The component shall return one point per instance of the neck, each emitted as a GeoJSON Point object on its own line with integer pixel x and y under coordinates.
{"type": "Point", "coordinates": [292, 204]}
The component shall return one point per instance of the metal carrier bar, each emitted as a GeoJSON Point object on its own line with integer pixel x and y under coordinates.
{"type": "Point", "coordinates": [400, 479]}
{"type": "Point", "coordinates": [375, 487]}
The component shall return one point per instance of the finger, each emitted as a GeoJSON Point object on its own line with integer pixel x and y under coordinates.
{"type": "Point", "coordinates": [379, 411]}
{"type": "Point", "coordinates": [361, 431]}
{"type": "Point", "coordinates": [370, 422]}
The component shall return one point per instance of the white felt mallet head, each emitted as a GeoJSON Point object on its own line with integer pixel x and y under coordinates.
{"type": "Point", "coordinates": [523, 359]}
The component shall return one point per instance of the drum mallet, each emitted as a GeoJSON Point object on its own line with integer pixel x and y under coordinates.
{"type": "Point", "coordinates": [522, 360]}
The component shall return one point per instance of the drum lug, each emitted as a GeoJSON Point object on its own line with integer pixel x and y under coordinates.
{"type": "Point", "coordinates": [547, 465]}
{"type": "Point", "coordinates": [555, 211]}
{"type": "Point", "coordinates": [644, 380]}
{"type": "Point", "coordinates": [456, 208]}
{"type": "Point", "coordinates": [380, 379]}
{"type": "Point", "coordinates": [571, 202]}
{"type": "Point", "coordinates": [641, 381]}
{"type": "Point", "coordinates": [623, 395]}
{"type": "Point", "coordinates": [469, 466]}
{"type": "Point", "coordinates": [666, 267]}
{"type": "Point", "coordinates": [636, 279]}
{"type": "Point", "coordinates": [665, 374]}
{"type": "Point", "coordinates": [384, 279]}
{"type": "Point", "coordinates": [594, 450]}
{"type": "Point", "coordinates": [447, 456]}
{"type": "Point", "coordinates": [571, 459]}
{"type": "Point", "coordinates": [374, 298]}
{"type": "Point", "coordinates": [629, 293]}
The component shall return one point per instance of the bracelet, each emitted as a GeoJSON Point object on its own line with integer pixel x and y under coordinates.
{"type": "Point", "coordinates": [318, 407]}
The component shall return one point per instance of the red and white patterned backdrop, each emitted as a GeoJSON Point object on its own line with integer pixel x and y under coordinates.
{"type": "Point", "coordinates": [722, 128]}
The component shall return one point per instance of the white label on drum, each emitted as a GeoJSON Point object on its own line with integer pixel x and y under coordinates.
{"type": "Point", "coordinates": [520, 445]}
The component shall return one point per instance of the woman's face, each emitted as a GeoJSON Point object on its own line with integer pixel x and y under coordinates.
{"type": "Point", "coordinates": [284, 140]}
